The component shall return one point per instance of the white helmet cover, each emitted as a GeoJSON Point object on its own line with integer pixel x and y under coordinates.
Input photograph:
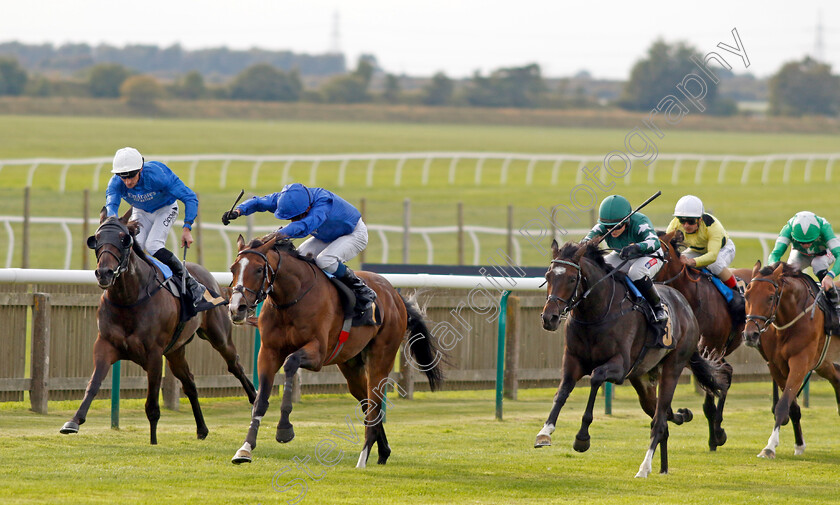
{"type": "Point", "coordinates": [689, 206]}
{"type": "Point", "coordinates": [127, 159]}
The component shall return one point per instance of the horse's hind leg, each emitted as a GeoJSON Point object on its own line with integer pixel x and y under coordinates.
{"type": "Point", "coordinates": [104, 355]}
{"type": "Point", "coordinates": [178, 365]}
{"type": "Point", "coordinates": [154, 367]}
{"type": "Point", "coordinates": [306, 357]}
{"type": "Point", "coordinates": [714, 413]}
{"type": "Point", "coordinates": [659, 426]}
{"type": "Point", "coordinates": [357, 383]}
{"type": "Point", "coordinates": [217, 331]}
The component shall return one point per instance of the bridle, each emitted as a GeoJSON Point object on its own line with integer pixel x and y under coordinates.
{"type": "Point", "coordinates": [266, 286]}
{"type": "Point", "coordinates": [573, 300]}
{"type": "Point", "coordinates": [106, 233]}
{"type": "Point", "coordinates": [767, 321]}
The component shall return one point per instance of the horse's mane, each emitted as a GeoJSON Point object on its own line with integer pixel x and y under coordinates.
{"type": "Point", "coordinates": [787, 270]}
{"type": "Point", "coordinates": [282, 245]}
{"type": "Point", "coordinates": [591, 252]}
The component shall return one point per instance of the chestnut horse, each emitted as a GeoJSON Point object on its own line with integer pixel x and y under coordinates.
{"type": "Point", "coordinates": [609, 339]}
{"type": "Point", "coordinates": [300, 324]}
{"type": "Point", "coordinates": [719, 335]}
{"type": "Point", "coordinates": [137, 320]}
{"type": "Point", "coordinates": [781, 297]}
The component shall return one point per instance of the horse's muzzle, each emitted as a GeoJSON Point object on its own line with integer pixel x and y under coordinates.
{"type": "Point", "coordinates": [751, 338]}
{"type": "Point", "coordinates": [550, 321]}
{"type": "Point", "coordinates": [104, 277]}
{"type": "Point", "coordinates": [238, 308]}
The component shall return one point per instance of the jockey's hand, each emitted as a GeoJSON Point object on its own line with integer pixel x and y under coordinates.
{"type": "Point", "coordinates": [230, 215]}
{"type": "Point", "coordinates": [630, 251]}
{"type": "Point", "coordinates": [186, 238]}
{"type": "Point", "coordinates": [827, 283]}
{"type": "Point", "coordinates": [688, 261]}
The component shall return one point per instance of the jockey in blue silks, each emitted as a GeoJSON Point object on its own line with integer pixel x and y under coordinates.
{"type": "Point", "coordinates": [337, 231]}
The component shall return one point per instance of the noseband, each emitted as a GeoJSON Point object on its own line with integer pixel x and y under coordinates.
{"type": "Point", "coordinates": [766, 321]}
{"type": "Point", "coordinates": [264, 291]}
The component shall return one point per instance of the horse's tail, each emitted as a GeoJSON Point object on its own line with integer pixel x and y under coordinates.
{"type": "Point", "coordinates": [426, 353]}
{"type": "Point", "coordinates": [710, 373]}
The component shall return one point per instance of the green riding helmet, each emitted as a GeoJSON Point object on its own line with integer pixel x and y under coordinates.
{"type": "Point", "coordinates": [805, 227]}
{"type": "Point", "coordinates": [613, 209]}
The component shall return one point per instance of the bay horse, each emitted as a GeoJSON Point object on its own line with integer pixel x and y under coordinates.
{"type": "Point", "coordinates": [608, 339]}
{"type": "Point", "coordinates": [719, 334]}
{"type": "Point", "coordinates": [781, 298]}
{"type": "Point", "coordinates": [300, 324]}
{"type": "Point", "coordinates": [137, 320]}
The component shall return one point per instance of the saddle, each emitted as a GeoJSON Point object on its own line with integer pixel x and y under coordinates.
{"type": "Point", "coordinates": [371, 317]}
{"type": "Point", "coordinates": [831, 320]}
{"type": "Point", "coordinates": [189, 307]}
{"type": "Point", "coordinates": [661, 330]}
{"type": "Point", "coordinates": [735, 304]}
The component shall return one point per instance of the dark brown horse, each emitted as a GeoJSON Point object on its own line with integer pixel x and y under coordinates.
{"type": "Point", "coordinates": [782, 298]}
{"type": "Point", "coordinates": [300, 325]}
{"type": "Point", "coordinates": [719, 336]}
{"type": "Point", "coordinates": [608, 339]}
{"type": "Point", "coordinates": [137, 320]}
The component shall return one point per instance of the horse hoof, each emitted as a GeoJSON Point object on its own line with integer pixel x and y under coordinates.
{"type": "Point", "coordinates": [201, 435]}
{"type": "Point", "coordinates": [767, 453]}
{"type": "Point", "coordinates": [241, 456]}
{"type": "Point", "coordinates": [686, 415]}
{"type": "Point", "coordinates": [69, 427]}
{"type": "Point", "coordinates": [799, 450]}
{"type": "Point", "coordinates": [542, 441]}
{"type": "Point", "coordinates": [285, 435]}
{"type": "Point", "coordinates": [721, 437]}
{"type": "Point", "coordinates": [581, 445]}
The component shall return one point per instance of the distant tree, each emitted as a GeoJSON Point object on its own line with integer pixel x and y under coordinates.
{"type": "Point", "coordinates": [438, 91]}
{"type": "Point", "coordinates": [392, 89]}
{"type": "Point", "coordinates": [350, 88]}
{"type": "Point", "coordinates": [805, 87]}
{"type": "Point", "coordinates": [656, 76]}
{"type": "Point", "coordinates": [12, 77]}
{"type": "Point", "coordinates": [105, 80]}
{"type": "Point", "coordinates": [191, 86]}
{"type": "Point", "coordinates": [141, 91]}
{"type": "Point", "coordinates": [39, 86]}
{"type": "Point", "coordinates": [507, 87]}
{"type": "Point", "coordinates": [266, 83]}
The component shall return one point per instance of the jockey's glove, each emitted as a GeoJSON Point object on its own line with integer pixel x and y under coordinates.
{"type": "Point", "coordinates": [230, 215]}
{"type": "Point", "coordinates": [630, 251]}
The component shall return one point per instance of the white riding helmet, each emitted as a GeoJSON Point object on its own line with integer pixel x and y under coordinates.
{"type": "Point", "coordinates": [689, 206]}
{"type": "Point", "coordinates": [127, 159]}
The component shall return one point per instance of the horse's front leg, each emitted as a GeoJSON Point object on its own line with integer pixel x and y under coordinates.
{"type": "Point", "coordinates": [796, 376]}
{"type": "Point", "coordinates": [154, 370]}
{"type": "Point", "coordinates": [613, 371]}
{"type": "Point", "coordinates": [572, 372]}
{"type": "Point", "coordinates": [714, 413]}
{"type": "Point", "coordinates": [104, 355]}
{"type": "Point", "coordinates": [308, 357]}
{"type": "Point", "coordinates": [268, 363]}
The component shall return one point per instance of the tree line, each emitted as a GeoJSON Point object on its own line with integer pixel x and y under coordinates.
{"type": "Point", "coordinates": [805, 87]}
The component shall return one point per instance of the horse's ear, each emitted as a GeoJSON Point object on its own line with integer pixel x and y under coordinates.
{"type": "Point", "coordinates": [91, 242]}
{"type": "Point", "coordinates": [756, 268]}
{"type": "Point", "coordinates": [777, 273]}
{"type": "Point", "coordinates": [240, 242]}
{"type": "Point", "coordinates": [555, 248]}
{"type": "Point", "coordinates": [103, 215]}
{"type": "Point", "coordinates": [124, 219]}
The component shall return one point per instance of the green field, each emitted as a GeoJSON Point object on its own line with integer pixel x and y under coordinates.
{"type": "Point", "coordinates": [447, 448]}
{"type": "Point", "coordinates": [749, 207]}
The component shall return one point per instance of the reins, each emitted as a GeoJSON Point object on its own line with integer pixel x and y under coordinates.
{"type": "Point", "coordinates": [264, 291]}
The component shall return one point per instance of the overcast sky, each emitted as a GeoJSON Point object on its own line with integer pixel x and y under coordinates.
{"type": "Point", "coordinates": [453, 36]}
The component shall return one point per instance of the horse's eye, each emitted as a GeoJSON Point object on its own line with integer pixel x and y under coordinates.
{"type": "Point", "coordinates": [260, 270]}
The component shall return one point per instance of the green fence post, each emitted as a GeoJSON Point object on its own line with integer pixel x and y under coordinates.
{"type": "Point", "coordinates": [115, 395]}
{"type": "Point", "coordinates": [500, 354]}
{"type": "Point", "coordinates": [806, 394]}
{"type": "Point", "coordinates": [608, 393]}
{"type": "Point", "coordinates": [256, 379]}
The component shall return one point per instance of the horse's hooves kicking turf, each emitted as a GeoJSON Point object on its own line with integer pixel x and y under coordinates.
{"type": "Point", "coordinates": [285, 435]}
{"type": "Point", "coordinates": [69, 427]}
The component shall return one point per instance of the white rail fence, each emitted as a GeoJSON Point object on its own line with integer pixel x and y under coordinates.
{"type": "Point", "coordinates": [457, 161]}
{"type": "Point", "coordinates": [382, 231]}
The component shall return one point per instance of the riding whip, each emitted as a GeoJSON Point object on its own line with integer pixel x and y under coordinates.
{"type": "Point", "coordinates": [241, 192]}
{"type": "Point", "coordinates": [184, 277]}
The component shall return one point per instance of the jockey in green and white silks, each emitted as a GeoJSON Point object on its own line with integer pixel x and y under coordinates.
{"type": "Point", "coordinates": [638, 244]}
{"type": "Point", "coordinates": [813, 244]}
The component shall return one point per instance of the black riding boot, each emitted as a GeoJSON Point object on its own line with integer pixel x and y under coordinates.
{"type": "Point", "coordinates": [364, 295]}
{"type": "Point", "coordinates": [834, 297]}
{"type": "Point", "coordinates": [645, 286]}
{"type": "Point", "coordinates": [737, 308]}
{"type": "Point", "coordinates": [194, 288]}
